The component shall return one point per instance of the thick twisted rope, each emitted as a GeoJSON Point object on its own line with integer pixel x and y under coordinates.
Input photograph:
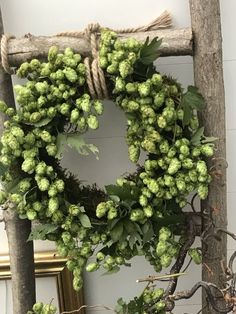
{"type": "Point", "coordinates": [95, 77]}
{"type": "Point", "coordinates": [4, 53]}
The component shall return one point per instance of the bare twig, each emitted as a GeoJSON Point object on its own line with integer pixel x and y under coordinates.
{"type": "Point", "coordinates": [98, 306]}
{"type": "Point", "coordinates": [155, 278]}
{"type": "Point", "coordinates": [208, 288]}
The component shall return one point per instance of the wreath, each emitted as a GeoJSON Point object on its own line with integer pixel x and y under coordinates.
{"type": "Point", "coordinates": [142, 214]}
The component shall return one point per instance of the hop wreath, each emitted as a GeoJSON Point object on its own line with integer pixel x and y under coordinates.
{"type": "Point", "coordinates": [142, 214]}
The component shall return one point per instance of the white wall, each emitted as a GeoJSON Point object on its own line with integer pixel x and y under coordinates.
{"type": "Point", "coordinates": [48, 17]}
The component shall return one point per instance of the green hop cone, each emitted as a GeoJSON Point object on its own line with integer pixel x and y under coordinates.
{"type": "Point", "coordinates": [164, 234]}
{"type": "Point", "coordinates": [49, 309]}
{"type": "Point", "coordinates": [70, 74]}
{"type": "Point", "coordinates": [24, 185]}
{"type": "Point", "coordinates": [165, 260]}
{"type": "Point", "coordinates": [148, 211]}
{"type": "Point", "coordinates": [131, 88]}
{"type": "Point", "coordinates": [159, 306]}
{"type": "Point", "coordinates": [98, 107]}
{"type": "Point", "coordinates": [52, 53]}
{"type": "Point", "coordinates": [31, 214]}
{"type": "Point", "coordinates": [119, 85]}
{"type": "Point", "coordinates": [161, 248]}
{"type": "Point", "coordinates": [159, 99]}
{"type": "Point", "coordinates": [85, 105]}
{"type": "Point", "coordinates": [201, 167]}
{"type": "Point", "coordinates": [125, 68]}
{"type": "Point", "coordinates": [207, 150]}
{"type": "Point", "coordinates": [52, 191]}
{"type": "Point", "coordinates": [53, 204]}
{"type": "Point", "coordinates": [60, 185]}
{"type": "Point", "coordinates": [51, 150]}
{"type": "Point", "coordinates": [100, 256]}
{"type": "Point", "coordinates": [143, 200]}
{"type": "Point", "coordinates": [136, 215]}
{"type": "Point", "coordinates": [77, 283]}
{"type": "Point", "coordinates": [37, 308]}
{"type": "Point", "coordinates": [64, 109]}
{"type": "Point", "coordinates": [92, 267]}
{"type": "Point", "coordinates": [202, 191]}
{"type": "Point", "coordinates": [174, 166]}
{"type": "Point", "coordinates": [30, 138]}
{"type": "Point", "coordinates": [42, 87]}
{"type": "Point", "coordinates": [112, 213]}
{"type": "Point", "coordinates": [41, 168]}
{"type": "Point", "coordinates": [157, 294]}
{"type": "Point", "coordinates": [101, 209]}
{"type": "Point", "coordinates": [147, 296]}
{"type": "Point", "coordinates": [28, 165]}
{"type": "Point", "coordinates": [10, 112]}
{"type": "Point", "coordinates": [43, 184]}
{"type": "Point", "coordinates": [144, 89]}
{"type": "Point", "coordinates": [3, 106]}
{"type": "Point", "coordinates": [17, 132]}
{"type": "Point", "coordinates": [74, 210]}
{"type": "Point", "coordinates": [37, 206]}
{"type": "Point", "coordinates": [157, 80]}
{"type": "Point", "coordinates": [161, 122]}
{"type": "Point", "coordinates": [46, 136]}
{"type": "Point", "coordinates": [134, 153]}
{"type": "Point", "coordinates": [195, 255]}
{"type": "Point", "coordinates": [92, 122]}
{"type": "Point", "coordinates": [153, 186]}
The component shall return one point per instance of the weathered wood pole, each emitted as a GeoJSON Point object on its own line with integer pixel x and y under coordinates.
{"type": "Point", "coordinates": [174, 42]}
{"type": "Point", "coordinates": [208, 74]}
{"type": "Point", "coordinates": [20, 251]}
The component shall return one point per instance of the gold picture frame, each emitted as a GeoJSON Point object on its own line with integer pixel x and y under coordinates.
{"type": "Point", "coordinates": [50, 264]}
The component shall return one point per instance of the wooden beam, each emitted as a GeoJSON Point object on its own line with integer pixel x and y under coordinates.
{"type": "Point", "coordinates": [20, 251]}
{"type": "Point", "coordinates": [175, 42]}
{"type": "Point", "coordinates": [208, 74]}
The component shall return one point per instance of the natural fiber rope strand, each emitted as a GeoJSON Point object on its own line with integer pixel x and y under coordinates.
{"type": "Point", "coordinates": [162, 21]}
{"type": "Point", "coordinates": [4, 53]}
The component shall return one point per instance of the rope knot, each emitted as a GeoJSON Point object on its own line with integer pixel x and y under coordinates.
{"type": "Point", "coordinates": [92, 28]}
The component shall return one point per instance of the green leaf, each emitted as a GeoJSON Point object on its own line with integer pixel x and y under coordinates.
{"type": "Point", "coordinates": [60, 143]}
{"type": "Point", "coordinates": [117, 231]}
{"type": "Point", "coordinates": [149, 52]}
{"type": "Point", "coordinates": [3, 169]}
{"type": "Point", "coordinates": [197, 136]}
{"type": "Point", "coordinates": [147, 232]}
{"type": "Point", "coordinates": [209, 139]}
{"type": "Point", "coordinates": [125, 192]}
{"type": "Point", "coordinates": [74, 141]}
{"type": "Point", "coordinates": [129, 226]}
{"type": "Point", "coordinates": [192, 99]}
{"type": "Point", "coordinates": [187, 113]}
{"type": "Point", "coordinates": [40, 232]}
{"type": "Point", "coordinates": [115, 198]}
{"type": "Point", "coordinates": [12, 186]}
{"type": "Point", "coordinates": [42, 122]}
{"type": "Point", "coordinates": [85, 221]}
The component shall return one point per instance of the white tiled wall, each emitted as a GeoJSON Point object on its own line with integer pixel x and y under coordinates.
{"type": "Point", "coordinates": [48, 17]}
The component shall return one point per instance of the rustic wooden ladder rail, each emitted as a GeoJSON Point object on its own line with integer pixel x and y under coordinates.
{"type": "Point", "coordinates": [203, 41]}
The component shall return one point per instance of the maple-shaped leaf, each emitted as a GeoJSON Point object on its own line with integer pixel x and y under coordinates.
{"type": "Point", "coordinates": [150, 51]}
